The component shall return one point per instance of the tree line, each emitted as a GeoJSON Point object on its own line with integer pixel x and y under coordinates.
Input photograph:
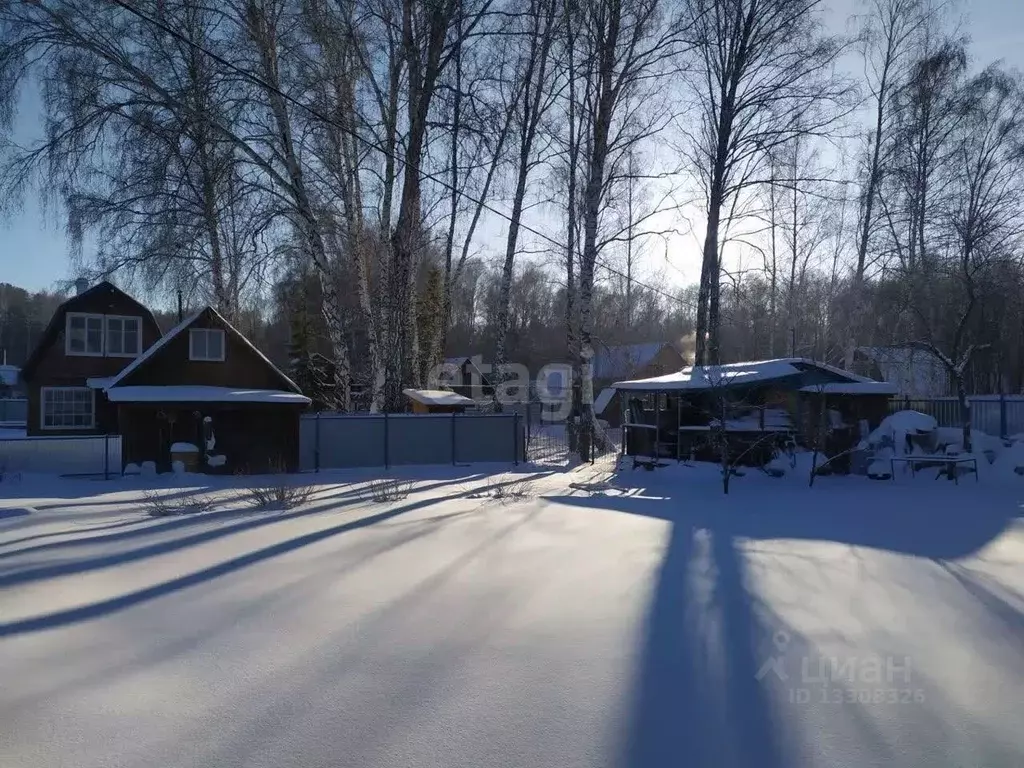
{"type": "Point", "coordinates": [397, 180]}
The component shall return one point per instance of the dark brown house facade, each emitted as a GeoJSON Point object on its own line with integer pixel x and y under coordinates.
{"type": "Point", "coordinates": [203, 383]}
{"type": "Point", "coordinates": [91, 337]}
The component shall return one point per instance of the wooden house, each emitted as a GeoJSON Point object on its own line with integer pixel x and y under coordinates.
{"type": "Point", "coordinates": [204, 383]}
{"type": "Point", "coordinates": [758, 405]}
{"type": "Point", "coordinates": [91, 337]}
{"type": "Point", "coordinates": [102, 367]}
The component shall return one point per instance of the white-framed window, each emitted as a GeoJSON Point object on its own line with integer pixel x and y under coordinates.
{"type": "Point", "coordinates": [84, 334]}
{"type": "Point", "coordinates": [206, 344]}
{"type": "Point", "coordinates": [67, 408]}
{"type": "Point", "coordinates": [124, 336]}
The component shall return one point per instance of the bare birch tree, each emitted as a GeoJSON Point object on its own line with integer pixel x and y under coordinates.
{"type": "Point", "coordinates": [763, 75]}
{"type": "Point", "coordinates": [889, 29]}
{"type": "Point", "coordinates": [532, 91]}
{"type": "Point", "coordinates": [620, 50]}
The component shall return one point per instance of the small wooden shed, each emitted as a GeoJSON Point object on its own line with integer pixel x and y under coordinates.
{"type": "Point", "coordinates": [437, 401]}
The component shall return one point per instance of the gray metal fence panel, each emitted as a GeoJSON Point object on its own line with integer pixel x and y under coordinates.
{"type": "Point", "coordinates": [87, 455]}
{"type": "Point", "coordinates": [349, 441]}
{"type": "Point", "coordinates": [421, 438]}
{"type": "Point", "coordinates": [13, 411]}
{"type": "Point", "coordinates": [356, 440]}
{"type": "Point", "coordinates": [487, 438]}
{"type": "Point", "coordinates": [992, 414]}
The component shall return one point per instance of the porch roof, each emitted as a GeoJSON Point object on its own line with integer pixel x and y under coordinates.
{"type": "Point", "coordinates": [201, 394]}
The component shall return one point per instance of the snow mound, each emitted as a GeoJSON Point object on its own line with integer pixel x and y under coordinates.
{"type": "Point", "coordinates": [216, 460]}
{"type": "Point", "coordinates": [184, 448]}
{"type": "Point", "coordinates": [897, 426]}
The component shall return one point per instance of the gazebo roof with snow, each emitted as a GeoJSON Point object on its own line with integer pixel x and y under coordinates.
{"type": "Point", "coordinates": [791, 373]}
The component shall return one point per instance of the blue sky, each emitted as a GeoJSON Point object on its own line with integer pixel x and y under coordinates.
{"type": "Point", "coordinates": [35, 254]}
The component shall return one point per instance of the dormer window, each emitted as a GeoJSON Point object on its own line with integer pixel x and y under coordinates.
{"type": "Point", "coordinates": [92, 335]}
{"type": "Point", "coordinates": [84, 334]}
{"type": "Point", "coordinates": [124, 337]}
{"type": "Point", "coordinates": [206, 344]}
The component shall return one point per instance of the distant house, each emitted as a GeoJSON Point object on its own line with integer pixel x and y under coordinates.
{"type": "Point", "coordinates": [628, 361]}
{"type": "Point", "coordinates": [913, 372]}
{"type": "Point", "coordinates": [102, 367]}
{"type": "Point", "coordinates": [463, 376]}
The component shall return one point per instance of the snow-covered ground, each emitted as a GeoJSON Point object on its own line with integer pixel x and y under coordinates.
{"type": "Point", "coordinates": [645, 623]}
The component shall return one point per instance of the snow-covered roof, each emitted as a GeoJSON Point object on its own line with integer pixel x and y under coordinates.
{"type": "Point", "coordinates": [201, 394]}
{"type": "Point", "coordinates": [98, 382]}
{"type": "Point", "coordinates": [436, 397]}
{"type": "Point", "coordinates": [852, 388]}
{"type": "Point", "coordinates": [179, 328]}
{"type": "Point", "coordinates": [696, 377]}
{"type": "Point", "coordinates": [603, 399]}
{"type": "Point", "coordinates": [709, 376]}
{"type": "Point", "coordinates": [9, 375]}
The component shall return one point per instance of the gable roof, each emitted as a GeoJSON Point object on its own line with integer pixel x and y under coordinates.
{"type": "Point", "coordinates": [56, 324]}
{"type": "Point", "coordinates": [177, 330]}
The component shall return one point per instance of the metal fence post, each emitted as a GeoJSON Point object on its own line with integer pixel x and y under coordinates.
{"type": "Point", "coordinates": [515, 437]}
{"type": "Point", "coordinates": [387, 447]}
{"type": "Point", "coordinates": [1002, 416]}
{"type": "Point", "coordinates": [453, 438]}
{"type": "Point", "coordinates": [316, 447]}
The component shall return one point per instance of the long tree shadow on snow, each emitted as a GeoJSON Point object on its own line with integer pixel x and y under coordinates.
{"type": "Point", "coordinates": [697, 698]}
{"type": "Point", "coordinates": [127, 600]}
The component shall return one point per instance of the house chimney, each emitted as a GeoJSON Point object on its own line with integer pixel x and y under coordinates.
{"type": "Point", "coordinates": [81, 286]}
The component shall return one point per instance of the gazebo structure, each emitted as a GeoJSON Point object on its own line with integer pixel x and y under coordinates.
{"type": "Point", "coordinates": [758, 405]}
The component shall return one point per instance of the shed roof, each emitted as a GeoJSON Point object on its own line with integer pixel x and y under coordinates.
{"type": "Point", "coordinates": [436, 397]}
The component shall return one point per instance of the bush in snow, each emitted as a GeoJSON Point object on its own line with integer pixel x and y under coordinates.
{"type": "Point", "coordinates": [385, 489]}
{"type": "Point", "coordinates": [167, 504]}
{"type": "Point", "coordinates": [281, 494]}
{"type": "Point", "coordinates": [506, 488]}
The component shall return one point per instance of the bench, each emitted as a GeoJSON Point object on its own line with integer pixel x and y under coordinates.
{"type": "Point", "coordinates": [948, 465]}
